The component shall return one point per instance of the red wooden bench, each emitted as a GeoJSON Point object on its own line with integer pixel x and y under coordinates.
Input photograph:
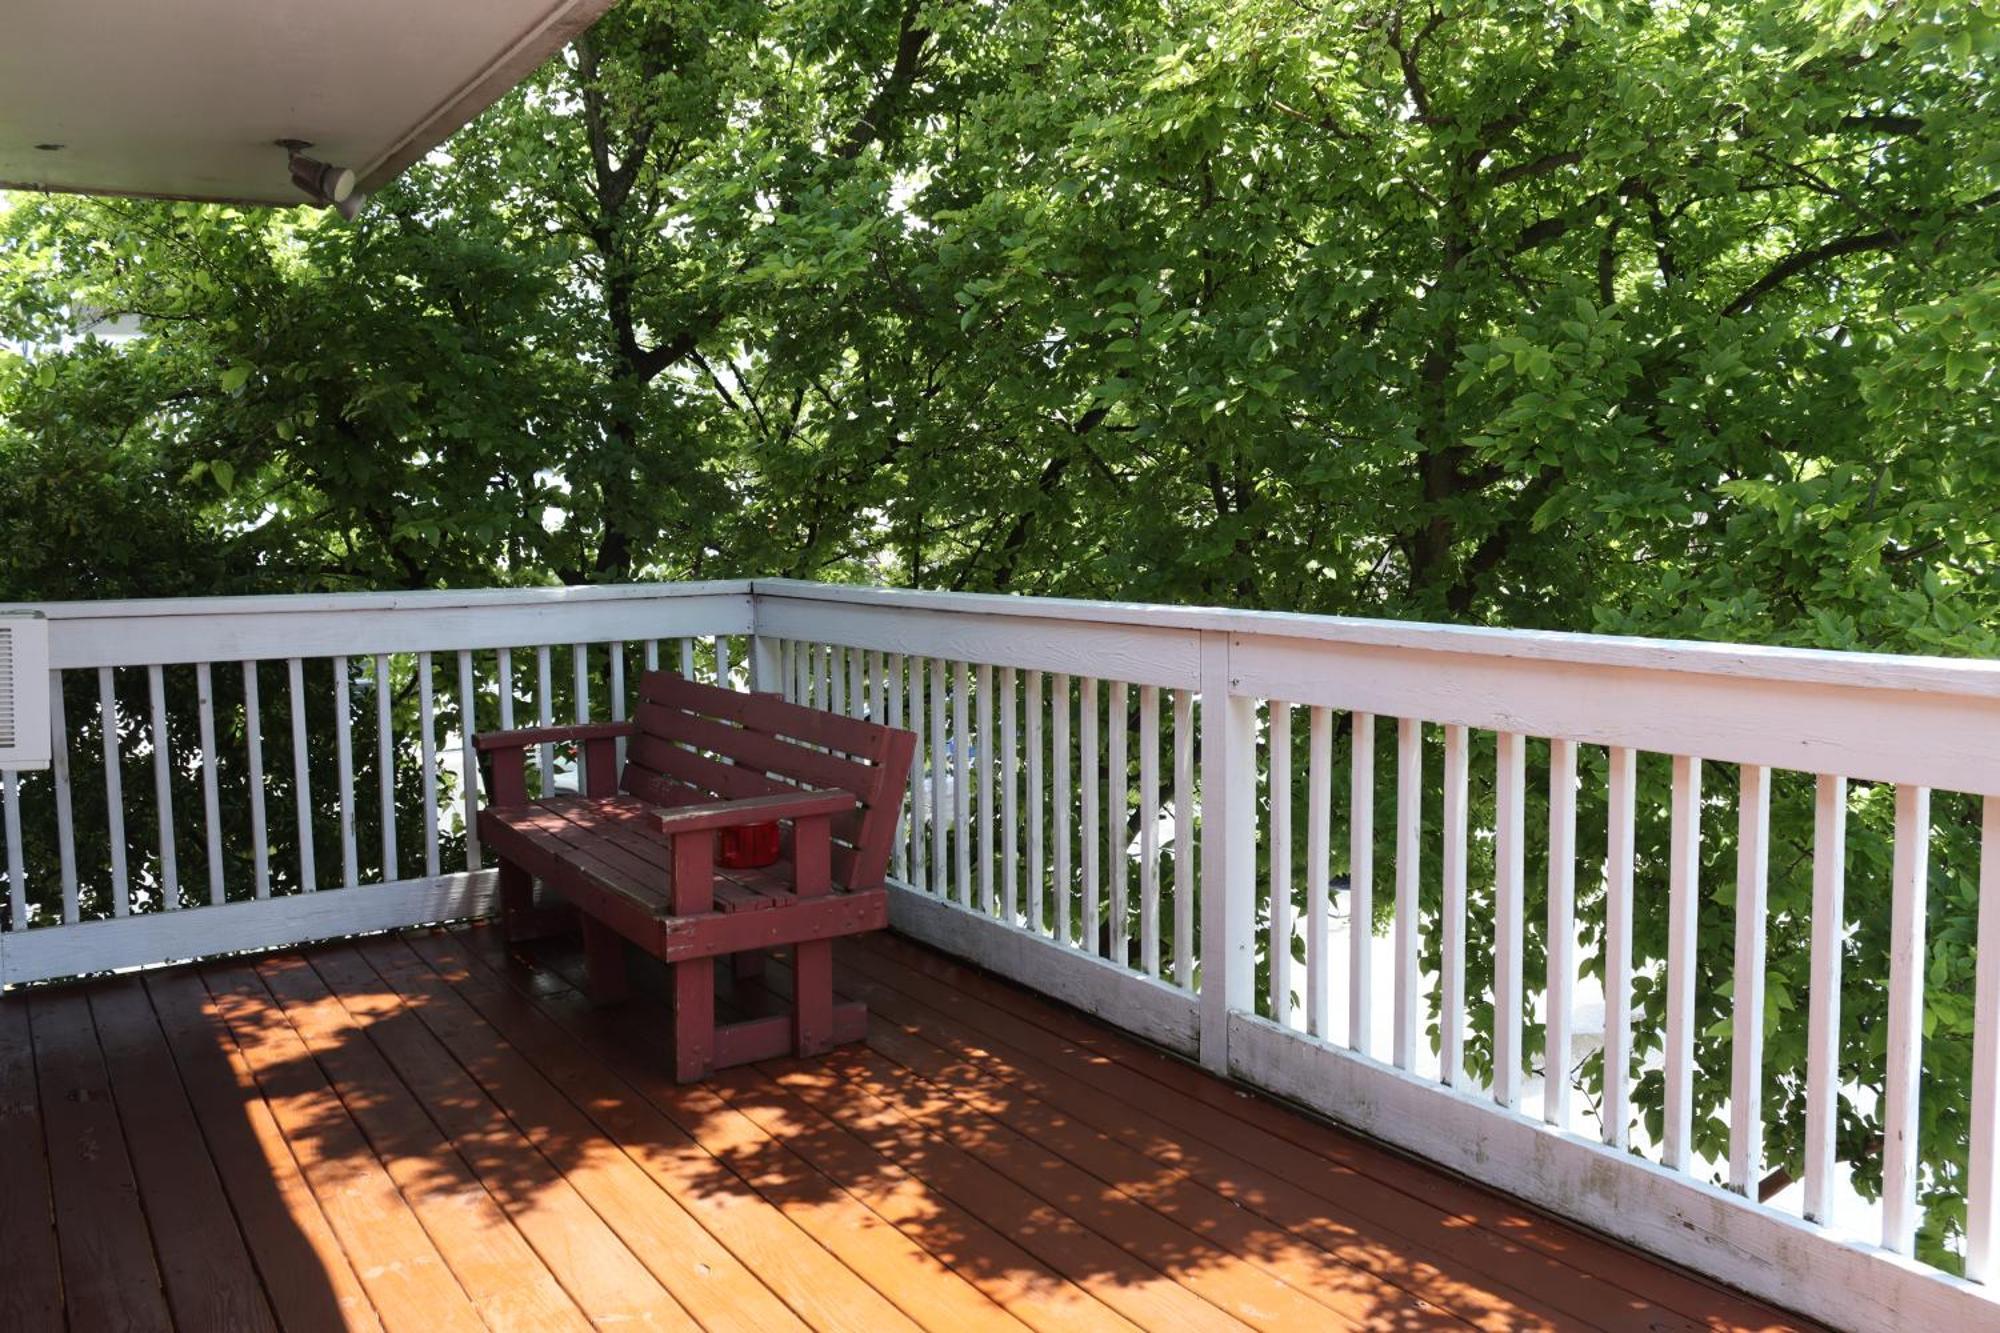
{"type": "Point", "coordinates": [636, 853]}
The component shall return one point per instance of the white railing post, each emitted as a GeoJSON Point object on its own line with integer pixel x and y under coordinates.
{"type": "Point", "coordinates": [1228, 851]}
{"type": "Point", "coordinates": [766, 673]}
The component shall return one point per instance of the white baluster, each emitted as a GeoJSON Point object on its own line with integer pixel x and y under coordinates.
{"type": "Point", "coordinates": [1746, 1054]}
{"type": "Point", "coordinates": [65, 808]}
{"type": "Point", "coordinates": [114, 791]}
{"type": "Point", "coordinates": [1361, 887]}
{"type": "Point", "coordinates": [941, 791]}
{"type": "Point", "coordinates": [211, 793]}
{"type": "Point", "coordinates": [983, 758]}
{"type": "Point", "coordinates": [253, 733]}
{"type": "Point", "coordinates": [1903, 1074]}
{"type": "Point", "coordinates": [1278, 859]}
{"type": "Point", "coordinates": [1184, 848]}
{"type": "Point", "coordinates": [1409, 845]}
{"type": "Point", "coordinates": [1060, 762]}
{"type": "Point", "coordinates": [1560, 999]}
{"type": "Point", "coordinates": [1088, 781]}
{"type": "Point", "coordinates": [1010, 802]}
{"type": "Point", "coordinates": [1149, 829]}
{"type": "Point", "coordinates": [1510, 807]}
{"type": "Point", "coordinates": [385, 765]}
{"type": "Point", "coordinates": [468, 756]}
{"type": "Point", "coordinates": [1116, 846]}
{"type": "Point", "coordinates": [1452, 982]}
{"type": "Point", "coordinates": [961, 784]}
{"type": "Point", "coordinates": [1683, 899]}
{"type": "Point", "coordinates": [427, 749]}
{"type": "Point", "coordinates": [1037, 861]}
{"type": "Point", "coordinates": [17, 874]}
{"type": "Point", "coordinates": [1619, 846]}
{"type": "Point", "coordinates": [163, 795]}
{"type": "Point", "coordinates": [1319, 872]}
{"type": "Point", "coordinates": [1982, 1190]}
{"type": "Point", "coordinates": [343, 734]}
{"type": "Point", "coordinates": [301, 775]}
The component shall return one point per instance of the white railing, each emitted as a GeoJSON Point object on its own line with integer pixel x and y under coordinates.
{"type": "Point", "coordinates": [336, 727]}
{"type": "Point", "coordinates": [1428, 1050]}
{"type": "Point", "coordinates": [1146, 811]}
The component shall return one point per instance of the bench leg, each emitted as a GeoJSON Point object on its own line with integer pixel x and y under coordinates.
{"type": "Point", "coordinates": [604, 960]}
{"type": "Point", "coordinates": [812, 998]}
{"type": "Point", "coordinates": [517, 899]}
{"type": "Point", "coordinates": [694, 1019]}
{"type": "Point", "coordinates": [812, 962]}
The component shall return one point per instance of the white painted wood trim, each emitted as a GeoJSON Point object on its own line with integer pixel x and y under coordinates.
{"type": "Point", "coordinates": [1319, 870]}
{"type": "Point", "coordinates": [1138, 653]}
{"type": "Point", "coordinates": [1829, 931]}
{"type": "Point", "coordinates": [1622, 783]}
{"type": "Point", "coordinates": [985, 757]}
{"type": "Point", "coordinates": [163, 795]}
{"type": "Point", "coordinates": [1090, 787]}
{"type": "Point", "coordinates": [1228, 852]}
{"type": "Point", "coordinates": [1903, 1072]}
{"type": "Point", "coordinates": [302, 807]}
{"type": "Point", "coordinates": [211, 796]}
{"type": "Point", "coordinates": [1559, 998]}
{"type": "Point", "coordinates": [1184, 852]}
{"type": "Point", "coordinates": [1847, 725]}
{"type": "Point", "coordinates": [941, 786]}
{"type": "Point", "coordinates": [193, 629]}
{"type": "Point", "coordinates": [260, 841]}
{"type": "Point", "coordinates": [1361, 886]}
{"type": "Point", "coordinates": [1879, 671]}
{"type": "Point", "coordinates": [1849, 1284]}
{"type": "Point", "coordinates": [343, 732]}
{"type": "Point", "coordinates": [1983, 1173]}
{"type": "Point", "coordinates": [17, 873]}
{"type": "Point", "coordinates": [1149, 829]}
{"type": "Point", "coordinates": [1150, 1009]}
{"type": "Point", "coordinates": [1409, 845]}
{"type": "Point", "coordinates": [385, 754]}
{"type": "Point", "coordinates": [1683, 935]}
{"type": "Point", "coordinates": [1451, 925]}
{"type": "Point", "coordinates": [1278, 858]}
{"type": "Point", "coordinates": [114, 789]}
{"type": "Point", "coordinates": [202, 932]}
{"type": "Point", "coordinates": [65, 808]}
{"type": "Point", "coordinates": [1062, 887]}
{"type": "Point", "coordinates": [1746, 1041]}
{"type": "Point", "coordinates": [1509, 906]}
{"type": "Point", "coordinates": [1116, 794]}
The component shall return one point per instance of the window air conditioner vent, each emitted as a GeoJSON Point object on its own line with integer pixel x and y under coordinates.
{"type": "Point", "coordinates": [24, 690]}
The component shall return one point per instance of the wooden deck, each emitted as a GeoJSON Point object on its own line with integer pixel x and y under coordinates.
{"type": "Point", "coordinates": [417, 1132]}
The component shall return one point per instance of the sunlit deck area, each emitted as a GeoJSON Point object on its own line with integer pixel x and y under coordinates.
{"type": "Point", "coordinates": [420, 1131]}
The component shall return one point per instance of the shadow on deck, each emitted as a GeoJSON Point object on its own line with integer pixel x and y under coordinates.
{"type": "Point", "coordinates": [423, 1132]}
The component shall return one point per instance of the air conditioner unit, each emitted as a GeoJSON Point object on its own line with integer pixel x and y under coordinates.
{"type": "Point", "coordinates": [24, 690]}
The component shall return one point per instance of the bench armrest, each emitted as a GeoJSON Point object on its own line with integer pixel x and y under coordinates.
{"type": "Point", "coordinates": [754, 810]}
{"type": "Point", "coordinates": [597, 739]}
{"type": "Point", "coordinates": [522, 739]}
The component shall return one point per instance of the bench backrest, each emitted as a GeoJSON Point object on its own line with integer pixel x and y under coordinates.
{"type": "Point", "coordinates": [687, 729]}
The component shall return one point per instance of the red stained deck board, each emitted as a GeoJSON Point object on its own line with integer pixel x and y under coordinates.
{"type": "Point", "coordinates": [987, 1160]}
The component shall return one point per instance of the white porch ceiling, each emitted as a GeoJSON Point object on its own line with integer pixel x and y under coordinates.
{"type": "Point", "coordinates": [185, 98]}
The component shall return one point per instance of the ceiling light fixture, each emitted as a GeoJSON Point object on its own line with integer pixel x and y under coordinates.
{"type": "Point", "coordinates": [323, 182]}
